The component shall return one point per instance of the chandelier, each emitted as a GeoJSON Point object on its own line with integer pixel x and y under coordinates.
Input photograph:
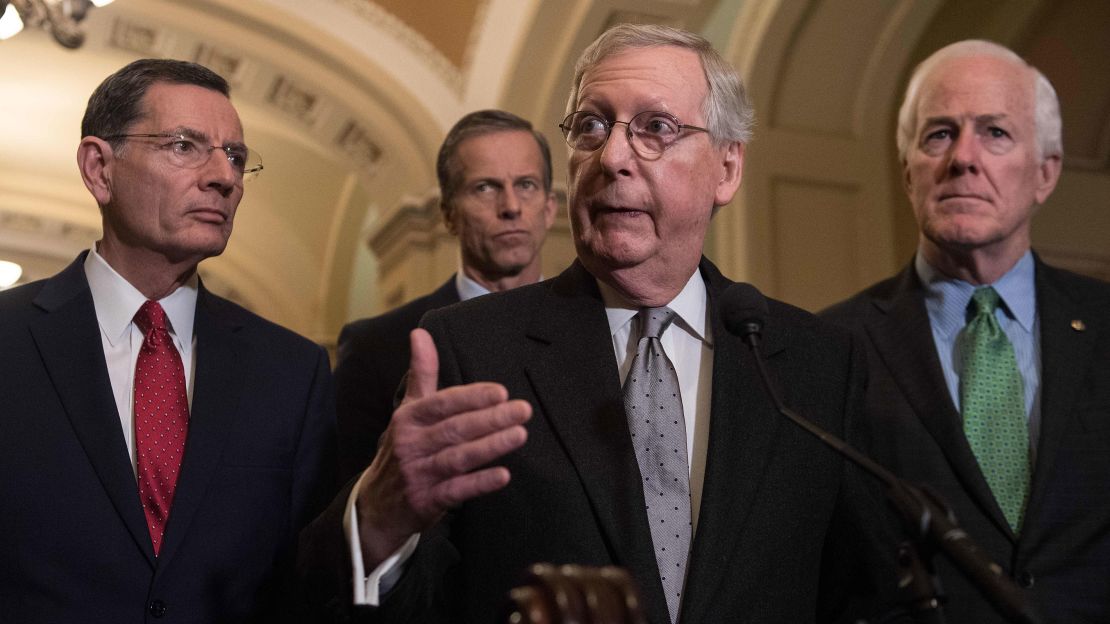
{"type": "Point", "coordinates": [60, 18]}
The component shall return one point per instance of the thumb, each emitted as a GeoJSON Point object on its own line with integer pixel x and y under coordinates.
{"type": "Point", "coordinates": [423, 377]}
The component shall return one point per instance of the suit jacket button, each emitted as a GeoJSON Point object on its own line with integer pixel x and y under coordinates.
{"type": "Point", "coordinates": [1026, 580]}
{"type": "Point", "coordinates": [157, 608]}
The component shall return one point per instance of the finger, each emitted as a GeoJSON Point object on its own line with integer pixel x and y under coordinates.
{"type": "Point", "coordinates": [414, 442]}
{"type": "Point", "coordinates": [426, 473]}
{"type": "Point", "coordinates": [423, 377]}
{"type": "Point", "coordinates": [454, 492]}
{"type": "Point", "coordinates": [448, 402]}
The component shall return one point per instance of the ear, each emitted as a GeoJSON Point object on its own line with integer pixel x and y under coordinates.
{"type": "Point", "coordinates": [732, 169]}
{"type": "Point", "coordinates": [907, 184]}
{"type": "Point", "coordinates": [95, 160]}
{"type": "Point", "coordinates": [448, 218]}
{"type": "Point", "coordinates": [1048, 174]}
{"type": "Point", "coordinates": [550, 209]}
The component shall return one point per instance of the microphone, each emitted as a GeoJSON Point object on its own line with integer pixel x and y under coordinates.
{"type": "Point", "coordinates": [744, 312]}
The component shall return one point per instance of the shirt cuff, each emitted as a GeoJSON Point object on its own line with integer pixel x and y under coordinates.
{"type": "Point", "coordinates": [368, 589]}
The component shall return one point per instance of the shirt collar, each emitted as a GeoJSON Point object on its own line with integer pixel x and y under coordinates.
{"type": "Point", "coordinates": [689, 307]}
{"type": "Point", "coordinates": [468, 288]}
{"type": "Point", "coordinates": [116, 302]}
{"type": "Point", "coordinates": [947, 298]}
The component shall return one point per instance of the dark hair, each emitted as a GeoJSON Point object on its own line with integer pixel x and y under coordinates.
{"type": "Point", "coordinates": [475, 124]}
{"type": "Point", "coordinates": [117, 102]}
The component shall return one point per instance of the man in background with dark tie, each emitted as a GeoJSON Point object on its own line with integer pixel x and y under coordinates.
{"type": "Point", "coordinates": [627, 425]}
{"type": "Point", "coordinates": [494, 175]}
{"type": "Point", "coordinates": [990, 370]}
{"type": "Point", "coordinates": [160, 447]}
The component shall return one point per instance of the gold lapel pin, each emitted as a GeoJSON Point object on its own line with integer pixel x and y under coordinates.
{"type": "Point", "coordinates": [1078, 325]}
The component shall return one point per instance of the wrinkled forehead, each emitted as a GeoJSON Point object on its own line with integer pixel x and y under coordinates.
{"type": "Point", "coordinates": [977, 86]}
{"type": "Point", "coordinates": [668, 78]}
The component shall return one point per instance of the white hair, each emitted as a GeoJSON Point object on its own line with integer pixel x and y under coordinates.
{"type": "Point", "coordinates": [1046, 106]}
{"type": "Point", "coordinates": [728, 113]}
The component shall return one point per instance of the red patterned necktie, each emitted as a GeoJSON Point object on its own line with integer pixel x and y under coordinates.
{"type": "Point", "coordinates": [161, 418]}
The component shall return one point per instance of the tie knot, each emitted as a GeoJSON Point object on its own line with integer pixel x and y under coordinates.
{"type": "Point", "coordinates": [985, 300]}
{"type": "Point", "coordinates": [150, 316]}
{"type": "Point", "coordinates": [654, 321]}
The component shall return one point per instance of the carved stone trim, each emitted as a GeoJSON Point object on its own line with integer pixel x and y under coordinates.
{"type": "Point", "coordinates": [417, 43]}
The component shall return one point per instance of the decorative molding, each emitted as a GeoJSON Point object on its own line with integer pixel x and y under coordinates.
{"type": "Point", "coordinates": [271, 86]}
{"type": "Point", "coordinates": [141, 39]}
{"type": "Point", "coordinates": [222, 61]}
{"type": "Point", "coordinates": [414, 224]}
{"type": "Point", "coordinates": [355, 141]}
{"type": "Point", "coordinates": [417, 43]}
{"type": "Point", "coordinates": [294, 99]}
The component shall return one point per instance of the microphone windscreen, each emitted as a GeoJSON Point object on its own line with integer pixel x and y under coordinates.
{"type": "Point", "coordinates": [743, 309]}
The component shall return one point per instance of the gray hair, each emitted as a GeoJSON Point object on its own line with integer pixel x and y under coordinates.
{"type": "Point", "coordinates": [728, 113]}
{"type": "Point", "coordinates": [1046, 106]}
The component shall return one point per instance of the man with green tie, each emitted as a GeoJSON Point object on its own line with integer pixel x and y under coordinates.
{"type": "Point", "coordinates": [990, 370]}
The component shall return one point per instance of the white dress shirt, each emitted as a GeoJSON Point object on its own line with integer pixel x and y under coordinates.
{"type": "Point", "coordinates": [116, 301]}
{"type": "Point", "coordinates": [468, 288]}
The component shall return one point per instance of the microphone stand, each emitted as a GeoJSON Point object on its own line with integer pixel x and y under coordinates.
{"type": "Point", "coordinates": [931, 525]}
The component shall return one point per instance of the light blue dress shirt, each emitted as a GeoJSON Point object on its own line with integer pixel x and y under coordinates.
{"type": "Point", "coordinates": [946, 301]}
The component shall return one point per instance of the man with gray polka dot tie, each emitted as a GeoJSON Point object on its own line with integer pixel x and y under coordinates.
{"type": "Point", "coordinates": [990, 369]}
{"type": "Point", "coordinates": [721, 510]}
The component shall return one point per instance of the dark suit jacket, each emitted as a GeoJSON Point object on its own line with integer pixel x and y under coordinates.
{"type": "Point", "coordinates": [73, 542]}
{"type": "Point", "coordinates": [779, 516]}
{"type": "Point", "coordinates": [372, 360]}
{"type": "Point", "coordinates": [1063, 553]}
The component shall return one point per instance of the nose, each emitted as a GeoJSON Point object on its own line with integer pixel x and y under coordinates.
{"type": "Point", "coordinates": [510, 206]}
{"type": "Point", "coordinates": [964, 155]}
{"type": "Point", "coordinates": [218, 173]}
{"type": "Point", "coordinates": [617, 153]}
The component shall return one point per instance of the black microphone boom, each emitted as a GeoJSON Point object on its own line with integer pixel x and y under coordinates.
{"type": "Point", "coordinates": [744, 312]}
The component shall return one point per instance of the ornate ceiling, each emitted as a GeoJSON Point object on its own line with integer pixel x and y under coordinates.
{"type": "Point", "coordinates": [347, 101]}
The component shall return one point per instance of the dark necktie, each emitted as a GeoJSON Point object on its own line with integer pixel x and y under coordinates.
{"type": "Point", "coordinates": [653, 405]}
{"type": "Point", "coordinates": [161, 418]}
{"type": "Point", "coordinates": [993, 404]}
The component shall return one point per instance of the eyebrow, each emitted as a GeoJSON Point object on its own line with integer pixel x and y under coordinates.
{"type": "Point", "coordinates": [978, 119]}
{"type": "Point", "coordinates": [201, 137]}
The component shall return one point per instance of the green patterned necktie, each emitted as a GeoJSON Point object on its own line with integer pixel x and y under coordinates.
{"type": "Point", "coordinates": [993, 402]}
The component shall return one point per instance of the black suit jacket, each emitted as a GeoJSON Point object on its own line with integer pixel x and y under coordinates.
{"type": "Point", "coordinates": [73, 542]}
{"type": "Point", "coordinates": [1063, 553]}
{"type": "Point", "coordinates": [780, 514]}
{"type": "Point", "coordinates": [373, 358]}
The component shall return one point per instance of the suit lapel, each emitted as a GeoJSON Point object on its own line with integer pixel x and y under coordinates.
{"type": "Point", "coordinates": [900, 330]}
{"type": "Point", "coordinates": [743, 428]}
{"type": "Point", "coordinates": [217, 389]}
{"type": "Point", "coordinates": [1065, 358]}
{"type": "Point", "coordinates": [576, 384]}
{"type": "Point", "coordinates": [68, 339]}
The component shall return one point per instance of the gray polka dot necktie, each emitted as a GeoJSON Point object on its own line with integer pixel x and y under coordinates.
{"type": "Point", "coordinates": [993, 403]}
{"type": "Point", "coordinates": [653, 404]}
{"type": "Point", "coordinates": [161, 418]}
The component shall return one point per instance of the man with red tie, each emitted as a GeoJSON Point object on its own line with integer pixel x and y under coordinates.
{"type": "Point", "coordinates": [160, 447]}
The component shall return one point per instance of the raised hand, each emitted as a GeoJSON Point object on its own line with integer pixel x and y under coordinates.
{"type": "Point", "coordinates": [431, 456]}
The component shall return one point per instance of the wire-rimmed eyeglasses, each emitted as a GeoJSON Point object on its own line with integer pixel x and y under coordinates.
{"type": "Point", "coordinates": [192, 153]}
{"type": "Point", "coordinates": [649, 132]}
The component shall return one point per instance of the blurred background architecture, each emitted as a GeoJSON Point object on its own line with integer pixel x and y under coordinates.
{"type": "Point", "coordinates": [348, 100]}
